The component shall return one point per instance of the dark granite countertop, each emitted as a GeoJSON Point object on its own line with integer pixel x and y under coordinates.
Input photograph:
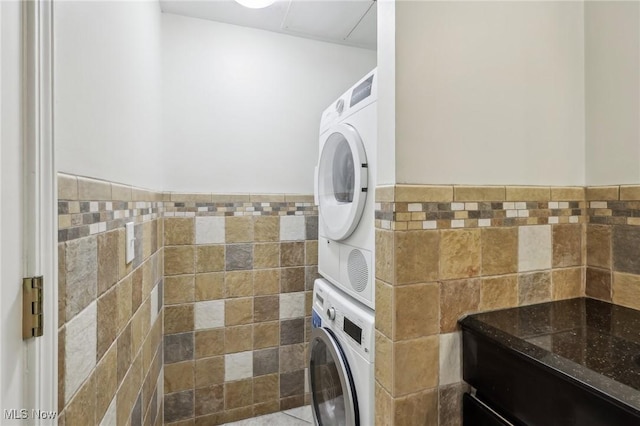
{"type": "Point", "coordinates": [593, 342]}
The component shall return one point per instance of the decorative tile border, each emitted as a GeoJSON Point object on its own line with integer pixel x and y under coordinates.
{"type": "Point", "coordinates": [264, 208]}
{"type": "Point", "coordinates": [90, 206]}
{"type": "Point", "coordinates": [435, 215]}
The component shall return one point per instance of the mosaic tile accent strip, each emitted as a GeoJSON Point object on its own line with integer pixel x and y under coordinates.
{"type": "Point", "coordinates": [436, 215]}
{"type": "Point", "coordinates": [266, 208]}
{"type": "Point", "coordinates": [614, 212]}
{"type": "Point", "coordinates": [78, 219]}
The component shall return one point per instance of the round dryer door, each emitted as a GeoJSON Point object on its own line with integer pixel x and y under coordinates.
{"type": "Point", "coordinates": [333, 393]}
{"type": "Point", "coordinates": [342, 182]}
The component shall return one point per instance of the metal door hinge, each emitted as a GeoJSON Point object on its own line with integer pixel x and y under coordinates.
{"type": "Point", "coordinates": [32, 321]}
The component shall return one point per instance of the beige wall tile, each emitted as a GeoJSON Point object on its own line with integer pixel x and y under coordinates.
{"type": "Point", "coordinates": [416, 310]}
{"type": "Point", "coordinates": [311, 252]}
{"type": "Point", "coordinates": [450, 359]}
{"type": "Point", "coordinates": [528, 193]}
{"type": "Point", "coordinates": [479, 193]}
{"type": "Point", "coordinates": [238, 394]}
{"type": "Point", "coordinates": [230, 198]}
{"type": "Point", "coordinates": [602, 193]}
{"type": "Point", "coordinates": [209, 371]}
{"type": "Point", "coordinates": [423, 193]}
{"type": "Point", "coordinates": [266, 198]}
{"type": "Point", "coordinates": [384, 361]}
{"type": "Point", "coordinates": [106, 377]}
{"type": "Point", "coordinates": [238, 284]}
{"type": "Point", "coordinates": [567, 245]}
{"type": "Point", "coordinates": [82, 408]}
{"type": "Point", "coordinates": [534, 288]}
{"type": "Point", "coordinates": [499, 292]}
{"type": "Point", "coordinates": [266, 255]}
{"type": "Point", "coordinates": [385, 194]}
{"type": "Point", "coordinates": [266, 281]}
{"type": "Point", "coordinates": [178, 319]}
{"type": "Point", "coordinates": [598, 284]}
{"type": "Point", "coordinates": [266, 388]}
{"type": "Point", "coordinates": [209, 286]}
{"type": "Point", "coordinates": [298, 198]}
{"type": "Point", "coordinates": [416, 256]}
{"type": "Point", "coordinates": [121, 192]}
{"type": "Point", "coordinates": [239, 229]}
{"type": "Point", "coordinates": [179, 260]}
{"type": "Point", "coordinates": [94, 190]}
{"type": "Point", "coordinates": [415, 365]}
{"type": "Point", "coordinates": [567, 283]}
{"type": "Point", "coordinates": [142, 194]}
{"type": "Point", "coordinates": [178, 289]}
{"type": "Point", "coordinates": [456, 299]}
{"type": "Point", "coordinates": [384, 308]}
{"type": "Point", "coordinates": [238, 338]}
{"type": "Point", "coordinates": [383, 406]}
{"type": "Point", "coordinates": [107, 260]}
{"type": "Point", "coordinates": [194, 197]}
{"type": "Point", "coordinates": [384, 256]}
{"type": "Point", "coordinates": [209, 343]}
{"type": "Point", "coordinates": [460, 253]}
{"type": "Point", "coordinates": [630, 192]}
{"type": "Point", "coordinates": [106, 326]}
{"type": "Point", "coordinates": [266, 228]}
{"type": "Point", "coordinates": [599, 246]}
{"type": "Point", "coordinates": [499, 251]}
{"type": "Point", "coordinates": [179, 230]}
{"type": "Point", "coordinates": [420, 408]}
{"type": "Point", "coordinates": [147, 244]}
{"type": "Point", "coordinates": [567, 193]}
{"type": "Point", "coordinates": [67, 187]}
{"type": "Point", "coordinates": [123, 295]}
{"type": "Point", "coordinates": [266, 334]}
{"type": "Point", "coordinates": [626, 290]}
{"type": "Point", "coordinates": [238, 311]}
{"type": "Point", "coordinates": [178, 376]}
{"type": "Point", "coordinates": [210, 258]}
{"type": "Point", "coordinates": [292, 254]}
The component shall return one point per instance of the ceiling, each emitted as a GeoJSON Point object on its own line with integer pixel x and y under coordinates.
{"type": "Point", "coordinates": [348, 22]}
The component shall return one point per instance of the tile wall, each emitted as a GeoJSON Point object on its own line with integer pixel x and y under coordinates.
{"type": "Point", "coordinates": [613, 244]}
{"type": "Point", "coordinates": [110, 312]}
{"type": "Point", "coordinates": [239, 272]}
{"type": "Point", "coordinates": [208, 324]}
{"type": "Point", "coordinates": [445, 251]}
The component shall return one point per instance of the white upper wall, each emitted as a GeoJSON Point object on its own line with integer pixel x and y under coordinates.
{"type": "Point", "coordinates": [107, 90]}
{"type": "Point", "coordinates": [241, 107]}
{"type": "Point", "coordinates": [489, 93]}
{"type": "Point", "coordinates": [386, 167]}
{"type": "Point", "coordinates": [612, 39]}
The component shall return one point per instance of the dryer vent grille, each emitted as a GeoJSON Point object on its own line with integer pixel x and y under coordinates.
{"type": "Point", "coordinates": [358, 271]}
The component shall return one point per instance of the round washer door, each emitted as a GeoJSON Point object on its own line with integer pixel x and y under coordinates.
{"type": "Point", "coordinates": [342, 181]}
{"type": "Point", "coordinates": [333, 393]}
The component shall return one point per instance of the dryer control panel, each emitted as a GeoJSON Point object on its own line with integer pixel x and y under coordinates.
{"type": "Point", "coordinates": [353, 322]}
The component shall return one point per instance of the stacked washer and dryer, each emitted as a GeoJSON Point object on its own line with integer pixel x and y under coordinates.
{"type": "Point", "coordinates": [341, 350]}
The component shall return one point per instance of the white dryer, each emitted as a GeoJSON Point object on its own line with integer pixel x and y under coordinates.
{"type": "Point", "coordinates": [344, 190]}
{"type": "Point", "coordinates": [341, 359]}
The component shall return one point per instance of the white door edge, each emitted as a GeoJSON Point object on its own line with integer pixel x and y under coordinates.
{"type": "Point", "coordinates": [40, 234]}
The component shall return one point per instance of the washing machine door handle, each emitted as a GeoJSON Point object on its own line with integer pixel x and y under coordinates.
{"type": "Point", "coordinates": [333, 394]}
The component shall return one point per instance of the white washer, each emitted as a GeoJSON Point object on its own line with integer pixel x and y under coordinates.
{"type": "Point", "coordinates": [344, 190]}
{"type": "Point", "coordinates": [341, 359]}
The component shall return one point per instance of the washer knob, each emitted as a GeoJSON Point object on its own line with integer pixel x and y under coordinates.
{"type": "Point", "coordinates": [331, 313]}
{"type": "Point", "coordinates": [340, 106]}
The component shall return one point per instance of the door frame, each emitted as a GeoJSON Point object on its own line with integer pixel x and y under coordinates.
{"type": "Point", "coordinates": [40, 201]}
